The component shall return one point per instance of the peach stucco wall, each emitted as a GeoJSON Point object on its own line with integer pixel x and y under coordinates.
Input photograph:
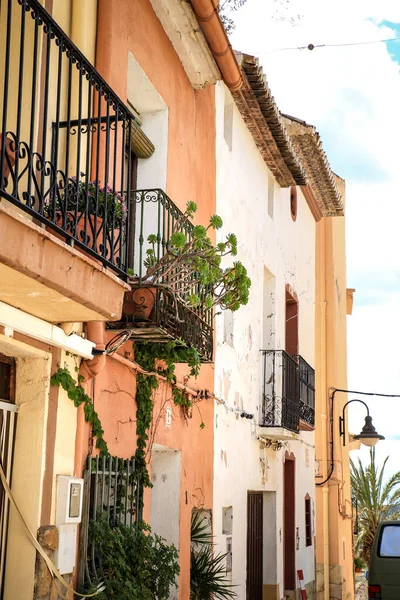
{"type": "Point", "coordinates": [191, 126]}
{"type": "Point", "coordinates": [190, 176]}
{"type": "Point", "coordinates": [331, 371]}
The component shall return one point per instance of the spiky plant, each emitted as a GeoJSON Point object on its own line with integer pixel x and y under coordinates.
{"type": "Point", "coordinates": [377, 500]}
{"type": "Point", "coordinates": [207, 569]}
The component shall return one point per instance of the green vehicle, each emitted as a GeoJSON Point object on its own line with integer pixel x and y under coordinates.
{"type": "Point", "coordinates": [384, 566]}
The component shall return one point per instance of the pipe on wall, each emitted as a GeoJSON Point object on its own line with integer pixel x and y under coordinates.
{"type": "Point", "coordinates": [206, 12]}
{"type": "Point", "coordinates": [324, 398]}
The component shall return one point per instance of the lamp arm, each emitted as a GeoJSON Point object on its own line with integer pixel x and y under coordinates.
{"type": "Point", "coordinates": [342, 419]}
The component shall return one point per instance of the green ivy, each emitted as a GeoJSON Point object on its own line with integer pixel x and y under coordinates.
{"type": "Point", "coordinates": [62, 377]}
{"type": "Point", "coordinates": [147, 355]}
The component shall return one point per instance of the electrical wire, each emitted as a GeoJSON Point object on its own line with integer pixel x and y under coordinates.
{"type": "Point", "coordinates": [339, 45]}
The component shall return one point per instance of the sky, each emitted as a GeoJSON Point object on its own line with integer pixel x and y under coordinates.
{"type": "Point", "coordinates": [352, 95]}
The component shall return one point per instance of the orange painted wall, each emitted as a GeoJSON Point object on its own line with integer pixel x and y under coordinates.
{"type": "Point", "coordinates": [190, 176]}
{"type": "Point", "coordinates": [191, 143]}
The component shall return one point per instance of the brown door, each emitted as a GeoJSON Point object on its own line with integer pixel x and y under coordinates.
{"type": "Point", "coordinates": [254, 546]}
{"type": "Point", "coordinates": [289, 546]}
{"type": "Point", "coordinates": [292, 324]}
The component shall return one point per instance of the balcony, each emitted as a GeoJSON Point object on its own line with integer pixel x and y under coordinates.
{"type": "Point", "coordinates": [65, 172]}
{"type": "Point", "coordinates": [160, 312]}
{"type": "Point", "coordinates": [288, 394]}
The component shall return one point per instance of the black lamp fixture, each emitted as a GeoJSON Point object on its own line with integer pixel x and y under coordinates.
{"type": "Point", "coordinates": [368, 436]}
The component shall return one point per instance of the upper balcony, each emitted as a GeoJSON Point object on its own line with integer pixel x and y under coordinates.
{"type": "Point", "coordinates": [72, 226]}
{"type": "Point", "coordinates": [65, 168]}
{"type": "Point", "coordinates": [161, 311]}
{"type": "Point", "coordinates": [288, 394]}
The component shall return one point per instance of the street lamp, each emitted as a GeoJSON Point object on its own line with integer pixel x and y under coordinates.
{"type": "Point", "coordinates": [368, 436]}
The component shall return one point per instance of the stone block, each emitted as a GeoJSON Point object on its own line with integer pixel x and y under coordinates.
{"type": "Point", "coordinates": [48, 537]}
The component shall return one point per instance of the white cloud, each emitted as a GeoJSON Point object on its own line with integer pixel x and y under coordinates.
{"type": "Point", "coordinates": [352, 96]}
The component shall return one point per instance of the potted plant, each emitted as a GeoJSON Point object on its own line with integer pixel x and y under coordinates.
{"type": "Point", "coordinates": [191, 270]}
{"type": "Point", "coordinates": [359, 564]}
{"type": "Point", "coordinates": [81, 209]}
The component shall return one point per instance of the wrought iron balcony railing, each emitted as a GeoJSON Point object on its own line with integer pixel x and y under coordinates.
{"type": "Point", "coordinates": [64, 137]}
{"type": "Point", "coordinates": [288, 394]}
{"type": "Point", "coordinates": [307, 391]}
{"type": "Point", "coordinates": [160, 310]}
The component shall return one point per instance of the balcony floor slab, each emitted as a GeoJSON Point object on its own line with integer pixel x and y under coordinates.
{"type": "Point", "coordinates": [46, 278]}
{"type": "Point", "coordinates": [276, 433]}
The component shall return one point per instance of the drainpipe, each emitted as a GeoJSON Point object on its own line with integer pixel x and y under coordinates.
{"type": "Point", "coordinates": [88, 369]}
{"type": "Point", "coordinates": [83, 26]}
{"type": "Point", "coordinates": [207, 15]}
{"type": "Point", "coordinates": [325, 415]}
{"type": "Point", "coordinates": [92, 367]}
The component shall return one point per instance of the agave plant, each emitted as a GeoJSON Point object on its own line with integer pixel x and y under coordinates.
{"type": "Point", "coordinates": [207, 569]}
{"type": "Point", "coordinates": [377, 500]}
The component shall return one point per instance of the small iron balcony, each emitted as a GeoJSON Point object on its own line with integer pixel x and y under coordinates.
{"type": "Point", "coordinates": [289, 391]}
{"type": "Point", "coordinates": [160, 311]}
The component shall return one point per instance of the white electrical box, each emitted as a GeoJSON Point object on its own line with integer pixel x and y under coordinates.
{"type": "Point", "coordinates": [66, 552]}
{"type": "Point", "coordinates": [68, 515]}
{"type": "Point", "coordinates": [69, 500]}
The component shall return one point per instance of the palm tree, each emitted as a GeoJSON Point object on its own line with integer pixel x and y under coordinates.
{"type": "Point", "coordinates": [207, 569]}
{"type": "Point", "coordinates": [377, 500]}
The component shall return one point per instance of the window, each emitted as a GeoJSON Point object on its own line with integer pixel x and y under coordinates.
{"type": "Point", "coordinates": [389, 545]}
{"type": "Point", "coordinates": [271, 191]}
{"type": "Point", "coordinates": [293, 202]}
{"type": "Point", "coordinates": [308, 521]}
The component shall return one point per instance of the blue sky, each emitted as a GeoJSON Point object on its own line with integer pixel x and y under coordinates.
{"type": "Point", "coordinates": [352, 95]}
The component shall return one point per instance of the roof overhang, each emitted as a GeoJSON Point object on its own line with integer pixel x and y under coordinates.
{"type": "Point", "coordinates": [263, 119]}
{"type": "Point", "coordinates": [320, 178]}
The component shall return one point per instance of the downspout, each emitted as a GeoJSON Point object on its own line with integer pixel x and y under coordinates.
{"type": "Point", "coordinates": [88, 370]}
{"type": "Point", "coordinates": [206, 12]}
{"type": "Point", "coordinates": [325, 415]}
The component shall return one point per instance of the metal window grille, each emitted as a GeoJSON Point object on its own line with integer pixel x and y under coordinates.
{"type": "Point", "coordinates": [112, 491]}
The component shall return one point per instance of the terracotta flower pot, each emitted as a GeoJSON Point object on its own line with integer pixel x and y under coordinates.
{"type": "Point", "coordinates": [139, 303]}
{"type": "Point", "coordinates": [85, 236]}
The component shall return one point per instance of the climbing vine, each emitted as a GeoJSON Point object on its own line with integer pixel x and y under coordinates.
{"type": "Point", "coordinates": [154, 358]}
{"type": "Point", "coordinates": [161, 359]}
{"type": "Point", "coordinates": [62, 377]}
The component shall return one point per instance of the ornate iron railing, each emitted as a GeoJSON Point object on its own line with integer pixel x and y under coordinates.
{"type": "Point", "coordinates": [288, 392]}
{"type": "Point", "coordinates": [64, 137]}
{"type": "Point", "coordinates": [162, 308]}
{"type": "Point", "coordinates": [307, 391]}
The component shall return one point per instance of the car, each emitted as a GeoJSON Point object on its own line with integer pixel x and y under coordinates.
{"type": "Point", "coordinates": [384, 566]}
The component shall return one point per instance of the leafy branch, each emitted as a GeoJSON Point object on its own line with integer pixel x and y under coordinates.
{"type": "Point", "coordinates": [191, 266]}
{"type": "Point", "coordinates": [62, 377]}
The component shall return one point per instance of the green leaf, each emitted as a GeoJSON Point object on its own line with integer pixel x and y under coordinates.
{"type": "Point", "coordinates": [178, 239]}
{"type": "Point", "coordinates": [216, 222]}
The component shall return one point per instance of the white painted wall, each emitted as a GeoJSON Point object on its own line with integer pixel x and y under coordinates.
{"type": "Point", "coordinates": [276, 251]}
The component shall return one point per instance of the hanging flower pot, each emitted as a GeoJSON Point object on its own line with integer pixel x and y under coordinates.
{"type": "Point", "coordinates": [139, 303]}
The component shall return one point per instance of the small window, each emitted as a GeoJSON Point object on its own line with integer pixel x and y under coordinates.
{"type": "Point", "coordinates": [293, 202]}
{"type": "Point", "coordinates": [308, 521]}
{"type": "Point", "coordinates": [389, 545]}
{"type": "Point", "coordinates": [271, 193]}
{"type": "Point", "coordinates": [7, 378]}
